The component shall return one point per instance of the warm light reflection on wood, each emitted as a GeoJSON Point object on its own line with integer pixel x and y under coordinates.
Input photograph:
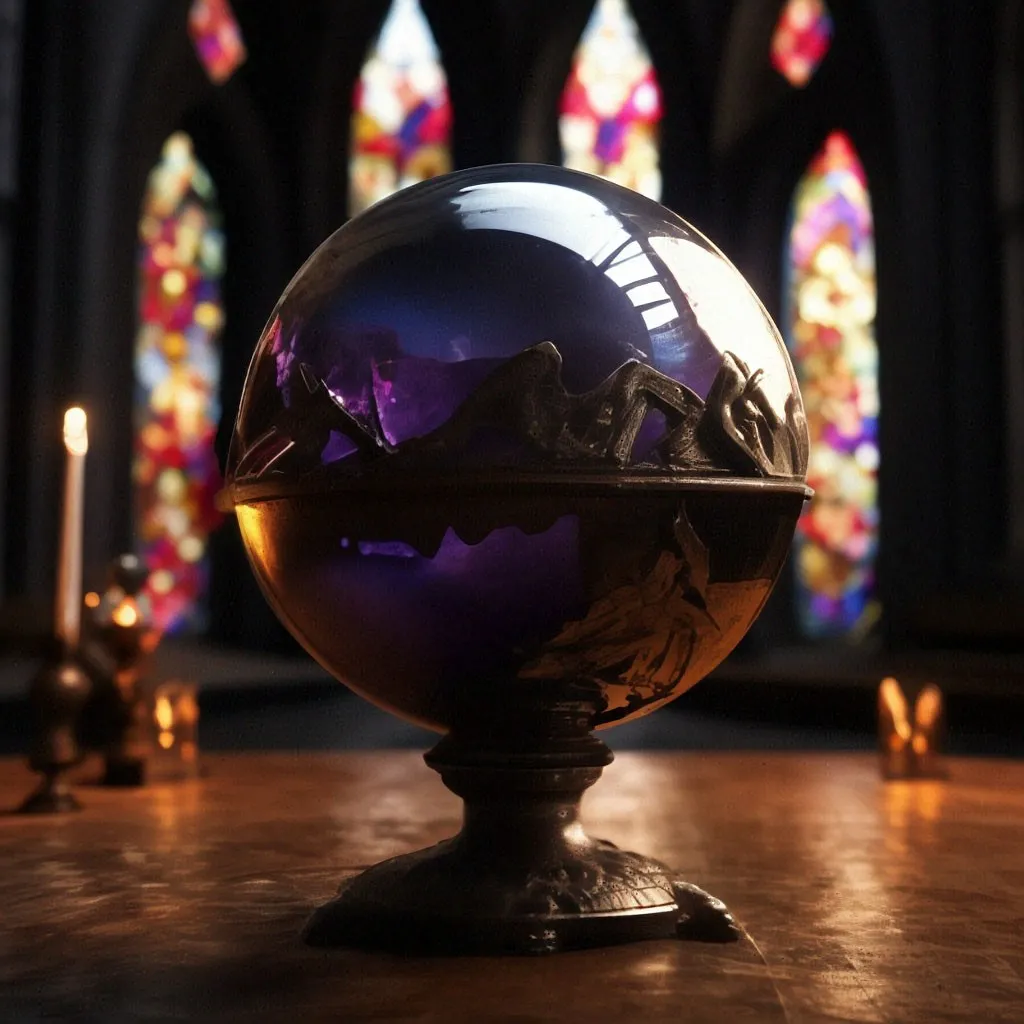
{"type": "Point", "coordinates": [909, 804]}
{"type": "Point", "coordinates": [149, 897]}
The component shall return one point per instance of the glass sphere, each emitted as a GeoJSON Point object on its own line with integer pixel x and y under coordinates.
{"type": "Point", "coordinates": [518, 426]}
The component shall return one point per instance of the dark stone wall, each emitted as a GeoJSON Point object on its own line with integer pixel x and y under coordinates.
{"type": "Point", "coordinates": [10, 88]}
{"type": "Point", "coordinates": [102, 84]}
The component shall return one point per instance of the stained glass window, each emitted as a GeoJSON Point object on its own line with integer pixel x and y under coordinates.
{"type": "Point", "coordinates": [217, 38]}
{"type": "Point", "coordinates": [402, 117]}
{"type": "Point", "coordinates": [611, 104]}
{"type": "Point", "coordinates": [801, 39]}
{"type": "Point", "coordinates": [177, 378]}
{"type": "Point", "coordinates": [830, 320]}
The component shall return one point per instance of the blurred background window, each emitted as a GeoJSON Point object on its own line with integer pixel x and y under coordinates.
{"type": "Point", "coordinates": [830, 330]}
{"type": "Point", "coordinates": [610, 109]}
{"type": "Point", "coordinates": [177, 381]}
{"type": "Point", "coordinates": [401, 117]}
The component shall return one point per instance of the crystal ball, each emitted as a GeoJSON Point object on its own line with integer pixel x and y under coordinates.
{"type": "Point", "coordinates": [516, 430]}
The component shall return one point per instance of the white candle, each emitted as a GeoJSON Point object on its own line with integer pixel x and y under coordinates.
{"type": "Point", "coordinates": [68, 611]}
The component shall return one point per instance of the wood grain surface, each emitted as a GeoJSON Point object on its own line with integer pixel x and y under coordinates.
{"type": "Point", "coordinates": [860, 900]}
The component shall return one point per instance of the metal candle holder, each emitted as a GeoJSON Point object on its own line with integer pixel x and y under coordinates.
{"type": "Point", "coordinates": [911, 730]}
{"type": "Point", "coordinates": [60, 688]}
{"type": "Point", "coordinates": [116, 653]}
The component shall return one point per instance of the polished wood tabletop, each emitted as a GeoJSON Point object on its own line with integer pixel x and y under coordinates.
{"type": "Point", "coordinates": [860, 900]}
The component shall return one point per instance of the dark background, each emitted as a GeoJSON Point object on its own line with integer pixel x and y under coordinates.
{"type": "Point", "coordinates": [930, 91]}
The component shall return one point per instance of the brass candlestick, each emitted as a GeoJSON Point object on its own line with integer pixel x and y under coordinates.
{"type": "Point", "coordinates": [60, 688]}
{"type": "Point", "coordinates": [116, 653]}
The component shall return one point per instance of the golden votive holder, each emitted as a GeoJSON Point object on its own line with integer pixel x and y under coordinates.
{"type": "Point", "coordinates": [911, 728]}
{"type": "Point", "coordinates": [173, 715]}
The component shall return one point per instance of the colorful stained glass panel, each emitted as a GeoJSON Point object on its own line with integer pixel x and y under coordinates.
{"type": "Point", "coordinates": [217, 38]}
{"type": "Point", "coordinates": [177, 380]}
{"type": "Point", "coordinates": [402, 116]}
{"type": "Point", "coordinates": [830, 333]}
{"type": "Point", "coordinates": [611, 105]}
{"type": "Point", "coordinates": [801, 39]}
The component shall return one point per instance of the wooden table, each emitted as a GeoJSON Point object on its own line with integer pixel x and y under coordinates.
{"type": "Point", "coordinates": [861, 900]}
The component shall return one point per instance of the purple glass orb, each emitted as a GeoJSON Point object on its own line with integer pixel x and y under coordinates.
{"type": "Point", "coordinates": [518, 427]}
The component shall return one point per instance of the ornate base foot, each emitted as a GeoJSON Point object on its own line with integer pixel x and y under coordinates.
{"type": "Point", "coordinates": [522, 876]}
{"type": "Point", "coordinates": [703, 917]}
{"type": "Point", "coordinates": [441, 901]}
{"type": "Point", "coordinates": [52, 797]}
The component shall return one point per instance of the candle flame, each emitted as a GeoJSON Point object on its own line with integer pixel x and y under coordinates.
{"type": "Point", "coordinates": [163, 713]}
{"type": "Point", "coordinates": [928, 710]}
{"type": "Point", "coordinates": [125, 614]}
{"type": "Point", "coordinates": [912, 734]}
{"type": "Point", "coordinates": [76, 435]}
{"type": "Point", "coordinates": [892, 699]}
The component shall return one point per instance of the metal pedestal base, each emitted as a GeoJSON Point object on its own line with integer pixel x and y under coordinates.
{"type": "Point", "coordinates": [436, 902]}
{"type": "Point", "coordinates": [522, 876]}
{"type": "Point", "coordinates": [52, 797]}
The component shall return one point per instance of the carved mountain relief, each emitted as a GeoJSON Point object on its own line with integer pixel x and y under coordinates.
{"type": "Point", "coordinates": [523, 415]}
